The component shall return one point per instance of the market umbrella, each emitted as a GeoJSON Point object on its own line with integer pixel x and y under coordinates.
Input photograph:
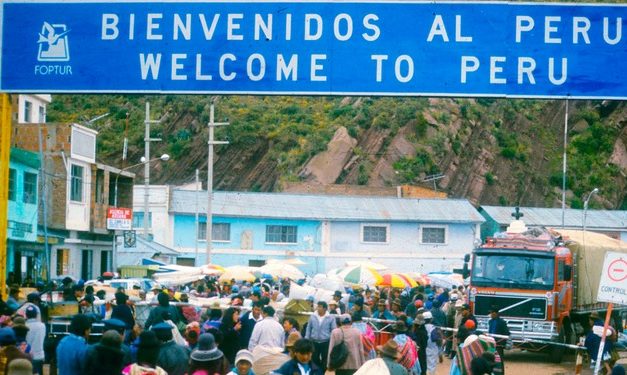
{"type": "Point", "coordinates": [212, 269]}
{"type": "Point", "coordinates": [177, 277]}
{"type": "Point", "coordinates": [445, 279]}
{"type": "Point", "coordinates": [359, 275]}
{"type": "Point", "coordinates": [421, 278]}
{"type": "Point", "coordinates": [239, 273]}
{"type": "Point", "coordinates": [375, 266]}
{"type": "Point", "coordinates": [282, 271]}
{"type": "Point", "coordinates": [397, 280]}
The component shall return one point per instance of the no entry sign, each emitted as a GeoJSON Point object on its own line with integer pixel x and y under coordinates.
{"type": "Point", "coordinates": [613, 285]}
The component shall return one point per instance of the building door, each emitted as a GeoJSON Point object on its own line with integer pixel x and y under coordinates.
{"type": "Point", "coordinates": [105, 262]}
{"type": "Point", "coordinates": [87, 265]}
{"type": "Point", "coordinates": [24, 262]}
{"type": "Point", "coordinates": [256, 263]}
{"type": "Point", "coordinates": [63, 262]}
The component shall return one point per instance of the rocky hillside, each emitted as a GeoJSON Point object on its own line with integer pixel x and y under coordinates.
{"type": "Point", "coordinates": [490, 151]}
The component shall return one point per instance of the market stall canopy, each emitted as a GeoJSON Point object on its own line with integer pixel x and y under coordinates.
{"type": "Point", "coordinates": [445, 279]}
{"type": "Point", "coordinates": [359, 275]}
{"type": "Point", "coordinates": [397, 280]}
{"type": "Point", "coordinates": [282, 271]}
{"type": "Point", "coordinates": [238, 273]}
{"type": "Point", "coordinates": [212, 269]}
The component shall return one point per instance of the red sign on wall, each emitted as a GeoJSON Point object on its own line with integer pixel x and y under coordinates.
{"type": "Point", "coordinates": [119, 218]}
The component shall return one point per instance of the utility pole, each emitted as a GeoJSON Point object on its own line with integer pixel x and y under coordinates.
{"type": "Point", "coordinates": [196, 221]}
{"type": "Point", "coordinates": [147, 141]}
{"type": "Point", "coordinates": [5, 149]}
{"type": "Point", "coordinates": [43, 198]}
{"type": "Point", "coordinates": [211, 142]}
{"type": "Point", "coordinates": [564, 165]}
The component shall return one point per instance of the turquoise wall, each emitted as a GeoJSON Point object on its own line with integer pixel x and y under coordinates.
{"type": "Point", "coordinates": [22, 216]}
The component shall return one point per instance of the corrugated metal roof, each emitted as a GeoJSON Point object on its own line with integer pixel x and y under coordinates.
{"type": "Point", "coordinates": [552, 217]}
{"type": "Point", "coordinates": [327, 207]}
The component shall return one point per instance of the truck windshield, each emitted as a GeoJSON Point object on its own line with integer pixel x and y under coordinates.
{"type": "Point", "coordinates": [513, 271]}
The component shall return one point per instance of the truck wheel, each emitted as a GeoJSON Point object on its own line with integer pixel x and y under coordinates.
{"type": "Point", "coordinates": [566, 336]}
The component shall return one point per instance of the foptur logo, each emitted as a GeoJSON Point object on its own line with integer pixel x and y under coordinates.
{"type": "Point", "coordinates": [53, 43]}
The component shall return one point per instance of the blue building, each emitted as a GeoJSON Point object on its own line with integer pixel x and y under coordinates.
{"type": "Point", "coordinates": [612, 223]}
{"type": "Point", "coordinates": [325, 231]}
{"type": "Point", "coordinates": [24, 255]}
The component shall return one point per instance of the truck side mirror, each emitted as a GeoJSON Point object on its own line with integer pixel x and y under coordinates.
{"type": "Point", "coordinates": [568, 270]}
{"type": "Point", "coordinates": [465, 271]}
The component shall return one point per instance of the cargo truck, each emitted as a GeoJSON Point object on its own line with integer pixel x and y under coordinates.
{"type": "Point", "coordinates": [544, 283]}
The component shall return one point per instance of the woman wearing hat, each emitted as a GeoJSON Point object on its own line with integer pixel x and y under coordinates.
{"type": "Point", "coordinates": [207, 359]}
{"type": "Point", "coordinates": [147, 354]}
{"type": "Point", "coordinates": [407, 348]}
{"type": "Point", "coordinates": [106, 357]}
{"type": "Point", "coordinates": [390, 355]}
{"type": "Point", "coordinates": [421, 337]}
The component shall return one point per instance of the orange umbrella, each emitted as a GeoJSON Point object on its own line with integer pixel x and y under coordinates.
{"type": "Point", "coordinates": [397, 280]}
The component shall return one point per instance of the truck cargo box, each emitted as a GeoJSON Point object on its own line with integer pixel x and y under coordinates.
{"type": "Point", "coordinates": [589, 248]}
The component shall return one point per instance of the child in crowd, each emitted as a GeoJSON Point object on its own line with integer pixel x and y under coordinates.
{"type": "Point", "coordinates": [243, 363]}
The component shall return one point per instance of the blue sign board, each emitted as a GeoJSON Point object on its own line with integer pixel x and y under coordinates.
{"type": "Point", "coordinates": [498, 49]}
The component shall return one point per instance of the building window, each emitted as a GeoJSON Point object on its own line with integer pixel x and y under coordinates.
{"type": "Point", "coordinates": [281, 233]}
{"type": "Point", "coordinates": [30, 188]}
{"type": "Point", "coordinates": [12, 187]}
{"type": "Point", "coordinates": [87, 265]}
{"type": "Point", "coordinates": [433, 235]}
{"type": "Point", "coordinates": [63, 262]}
{"type": "Point", "coordinates": [375, 233]}
{"type": "Point", "coordinates": [76, 188]}
{"type": "Point", "coordinates": [28, 107]}
{"type": "Point", "coordinates": [42, 114]}
{"type": "Point", "coordinates": [138, 219]}
{"type": "Point", "coordinates": [100, 199]}
{"type": "Point", "coordinates": [221, 232]}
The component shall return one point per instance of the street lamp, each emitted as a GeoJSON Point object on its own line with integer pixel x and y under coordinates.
{"type": "Point", "coordinates": [585, 206]}
{"type": "Point", "coordinates": [164, 157]}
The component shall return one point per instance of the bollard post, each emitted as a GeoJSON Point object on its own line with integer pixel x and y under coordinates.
{"type": "Point", "coordinates": [578, 363]}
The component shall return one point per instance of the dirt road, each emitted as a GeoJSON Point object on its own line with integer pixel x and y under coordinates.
{"type": "Point", "coordinates": [519, 362]}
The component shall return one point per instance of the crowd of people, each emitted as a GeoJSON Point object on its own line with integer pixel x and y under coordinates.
{"type": "Point", "coordinates": [408, 331]}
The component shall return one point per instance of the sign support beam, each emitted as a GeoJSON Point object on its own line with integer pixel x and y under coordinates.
{"type": "Point", "coordinates": [5, 154]}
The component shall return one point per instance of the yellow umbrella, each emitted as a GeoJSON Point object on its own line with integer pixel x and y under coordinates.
{"type": "Point", "coordinates": [212, 269]}
{"type": "Point", "coordinates": [239, 273]}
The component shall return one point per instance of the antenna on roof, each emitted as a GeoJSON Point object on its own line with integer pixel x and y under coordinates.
{"type": "Point", "coordinates": [434, 178]}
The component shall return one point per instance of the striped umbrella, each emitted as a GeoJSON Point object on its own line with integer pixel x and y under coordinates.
{"type": "Point", "coordinates": [359, 275]}
{"type": "Point", "coordinates": [397, 280]}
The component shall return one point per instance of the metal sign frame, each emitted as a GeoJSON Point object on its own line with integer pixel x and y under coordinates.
{"type": "Point", "coordinates": [382, 48]}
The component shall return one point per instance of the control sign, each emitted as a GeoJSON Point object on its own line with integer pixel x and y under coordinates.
{"type": "Point", "coordinates": [613, 285]}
